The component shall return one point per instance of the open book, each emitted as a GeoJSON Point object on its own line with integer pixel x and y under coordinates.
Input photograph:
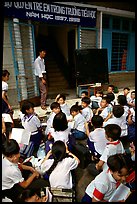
{"type": "Point", "coordinates": [121, 193]}
{"type": "Point", "coordinates": [20, 135]}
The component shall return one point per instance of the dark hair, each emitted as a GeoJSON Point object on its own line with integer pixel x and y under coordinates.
{"type": "Point", "coordinates": [75, 108]}
{"type": "Point", "coordinates": [26, 105]}
{"type": "Point", "coordinates": [10, 147]}
{"type": "Point", "coordinates": [113, 131]}
{"type": "Point", "coordinates": [97, 121]}
{"type": "Point", "coordinates": [126, 88]}
{"type": "Point", "coordinates": [86, 100]}
{"type": "Point", "coordinates": [122, 100]}
{"type": "Point", "coordinates": [58, 153]}
{"type": "Point", "coordinates": [118, 111]}
{"type": "Point", "coordinates": [54, 105]}
{"type": "Point", "coordinates": [110, 96]}
{"type": "Point", "coordinates": [132, 92]}
{"type": "Point", "coordinates": [111, 85]}
{"type": "Point", "coordinates": [118, 161]}
{"type": "Point", "coordinates": [5, 73]}
{"type": "Point", "coordinates": [84, 92]}
{"type": "Point", "coordinates": [61, 96]}
{"type": "Point", "coordinates": [28, 193]}
{"type": "Point", "coordinates": [42, 49]}
{"type": "Point", "coordinates": [60, 122]}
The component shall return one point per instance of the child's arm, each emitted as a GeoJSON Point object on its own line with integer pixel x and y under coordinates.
{"type": "Point", "coordinates": [99, 165]}
{"type": "Point", "coordinates": [25, 184]}
{"type": "Point", "coordinates": [87, 129]}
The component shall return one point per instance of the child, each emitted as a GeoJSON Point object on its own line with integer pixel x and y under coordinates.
{"type": "Point", "coordinates": [13, 181]}
{"type": "Point", "coordinates": [104, 185]}
{"type": "Point", "coordinates": [126, 92]}
{"type": "Point", "coordinates": [59, 131]}
{"type": "Point", "coordinates": [59, 168]}
{"type": "Point", "coordinates": [32, 124]}
{"type": "Point", "coordinates": [61, 99]}
{"type": "Point", "coordinates": [6, 107]}
{"type": "Point", "coordinates": [55, 107]}
{"type": "Point", "coordinates": [118, 117]}
{"type": "Point", "coordinates": [122, 100]}
{"type": "Point", "coordinates": [86, 110]}
{"type": "Point", "coordinates": [103, 110]}
{"type": "Point", "coordinates": [114, 146]}
{"type": "Point", "coordinates": [78, 130]}
{"type": "Point", "coordinates": [96, 139]}
{"type": "Point", "coordinates": [131, 101]}
{"type": "Point", "coordinates": [84, 94]}
{"type": "Point", "coordinates": [131, 125]}
{"type": "Point", "coordinates": [95, 100]}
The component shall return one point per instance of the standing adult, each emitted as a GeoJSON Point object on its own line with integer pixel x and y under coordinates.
{"type": "Point", "coordinates": [40, 73]}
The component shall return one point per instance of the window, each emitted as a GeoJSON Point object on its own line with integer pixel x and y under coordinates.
{"type": "Point", "coordinates": [116, 23]}
{"type": "Point", "coordinates": [125, 25]}
{"type": "Point", "coordinates": [119, 51]}
{"type": "Point", "coordinates": [105, 21]}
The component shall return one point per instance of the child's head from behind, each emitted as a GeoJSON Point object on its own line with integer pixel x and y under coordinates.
{"type": "Point", "coordinates": [61, 98]}
{"type": "Point", "coordinates": [10, 149]}
{"type": "Point", "coordinates": [113, 132]}
{"type": "Point", "coordinates": [30, 195]}
{"type": "Point", "coordinates": [84, 94]}
{"type": "Point", "coordinates": [55, 107]}
{"type": "Point", "coordinates": [119, 166]}
{"type": "Point", "coordinates": [60, 122]}
{"type": "Point", "coordinates": [110, 97]}
{"type": "Point", "coordinates": [27, 108]}
{"type": "Point", "coordinates": [97, 121]}
{"type": "Point", "coordinates": [85, 102]}
{"type": "Point", "coordinates": [122, 100]}
{"type": "Point", "coordinates": [59, 150]}
{"type": "Point", "coordinates": [118, 111]}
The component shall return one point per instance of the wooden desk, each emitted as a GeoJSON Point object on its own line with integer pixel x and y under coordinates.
{"type": "Point", "coordinates": [91, 86]}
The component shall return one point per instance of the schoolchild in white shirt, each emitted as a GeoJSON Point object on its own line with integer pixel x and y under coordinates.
{"type": "Point", "coordinates": [17, 176]}
{"type": "Point", "coordinates": [31, 123]}
{"type": "Point", "coordinates": [118, 117]}
{"type": "Point", "coordinates": [131, 101]}
{"type": "Point", "coordinates": [55, 107]}
{"type": "Point", "coordinates": [103, 110]}
{"type": "Point", "coordinates": [59, 131]}
{"type": "Point", "coordinates": [61, 99]}
{"type": "Point", "coordinates": [78, 131]}
{"type": "Point", "coordinates": [96, 139]}
{"type": "Point", "coordinates": [86, 110]}
{"type": "Point", "coordinates": [104, 185]}
{"type": "Point", "coordinates": [59, 167]}
{"type": "Point", "coordinates": [123, 102]}
{"type": "Point", "coordinates": [114, 146]}
{"type": "Point", "coordinates": [96, 99]}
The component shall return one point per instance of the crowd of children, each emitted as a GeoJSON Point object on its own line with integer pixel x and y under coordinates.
{"type": "Point", "coordinates": [102, 120]}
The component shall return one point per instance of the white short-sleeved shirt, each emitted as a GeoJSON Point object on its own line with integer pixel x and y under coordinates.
{"type": "Point", "coordinates": [31, 123]}
{"type": "Point", "coordinates": [98, 137]}
{"type": "Point", "coordinates": [96, 99]}
{"type": "Point", "coordinates": [87, 113]}
{"type": "Point", "coordinates": [79, 122]}
{"type": "Point", "coordinates": [105, 112]}
{"type": "Point", "coordinates": [65, 109]}
{"type": "Point", "coordinates": [49, 122]}
{"type": "Point", "coordinates": [39, 67]}
{"type": "Point", "coordinates": [102, 187]}
{"type": "Point", "coordinates": [61, 176]}
{"type": "Point", "coordinates": [60, 135]}
{"type": "Point", "coordinates": [126, 110]}
{"type": "Point", "coordinates": [112, 148]}
{"type": "Point", "coordinates": [11, 174]}
{"type": "Point", "coordinates": [119, 121]}
{"type": "Point", "coordinates": [4, 86]}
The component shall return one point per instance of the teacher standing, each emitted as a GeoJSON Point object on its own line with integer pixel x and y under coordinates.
{"type": "Point", "coordinates": [40, 73]}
